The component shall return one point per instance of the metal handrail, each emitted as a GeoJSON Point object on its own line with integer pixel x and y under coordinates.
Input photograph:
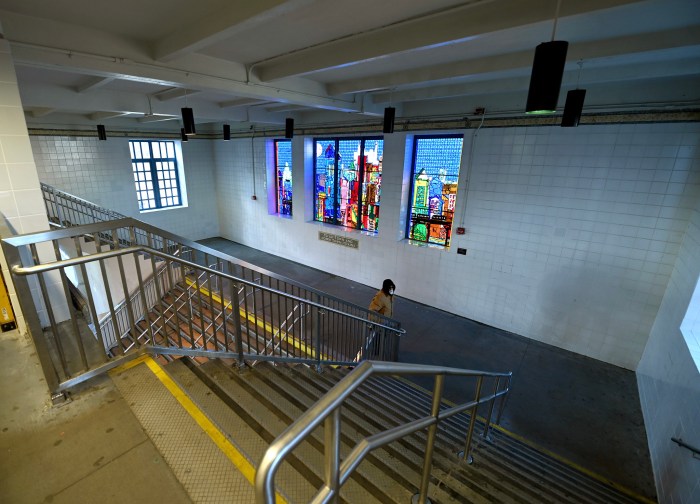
{"type": "Point", "coordinates": [75, 261]}
{"type": "Point", "coordinates": [683, 444]}
{"type": "Point", "coordinates": [327, 410]}
{"type": "Point", "coordinates": [183, 242]}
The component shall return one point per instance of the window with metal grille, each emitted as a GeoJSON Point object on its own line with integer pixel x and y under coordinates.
{"type": "Point", "coordinates": [434, 177]}
{"type": "Point", "coordinates": [348, 181]}
{"type": "Point", "coordinates": [154, 163]}
{"type": "Point", "coordinates": [283, 172]}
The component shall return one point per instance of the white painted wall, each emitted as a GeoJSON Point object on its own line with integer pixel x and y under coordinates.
{"type": "Point", "coordinates": [21, 204]}
{"type": "Point", "coordinates": [572, 234]}
{"type": "Point", "coordinates": [100, 172]}
{"type": "Point", "coordinates": [669, 383]}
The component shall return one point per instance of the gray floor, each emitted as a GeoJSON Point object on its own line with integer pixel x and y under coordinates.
{"type": "Point", "coordinates": [95, 450]}
{"type": "Point", "coordinates": [579, 408]}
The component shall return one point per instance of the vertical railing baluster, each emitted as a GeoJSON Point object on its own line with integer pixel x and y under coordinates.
{"type": "Point", "coordinates": [236, 312]}
{"type": "Point", "coordinates": [492, 403]}
{"type": "Point", "coordinates": [430, 442]}
{"type": "Point", "coordinates": [331, 434]}
{"type": "Point", "coordinates": [88, 292]}
{"type": "Point", "coordinates": [472, 422]}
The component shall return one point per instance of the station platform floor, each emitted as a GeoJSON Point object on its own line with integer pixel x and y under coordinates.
{"type": "Point", "coordinates": [93, 449]}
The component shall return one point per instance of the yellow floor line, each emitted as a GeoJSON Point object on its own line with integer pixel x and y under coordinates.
{"type": "Point", "coordinates": [265, 326]}
{"type": "Point", "coordinates": [218, 437]}
{"type": "Point", "coordinates": [565, 461]}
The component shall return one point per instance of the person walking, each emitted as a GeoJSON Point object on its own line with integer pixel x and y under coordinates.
{"type": "Point", "coordinates": [382, 303]}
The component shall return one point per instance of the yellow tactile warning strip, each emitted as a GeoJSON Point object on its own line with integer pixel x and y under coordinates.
{"type": "Point", "coordinates": [299, 345]}
{"type": "Point", "coordinates": [551, 454]}
{"type": "Point", "coordinates": [209, 467]}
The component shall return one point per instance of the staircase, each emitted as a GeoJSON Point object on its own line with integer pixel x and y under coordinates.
{"type": "Point", "coordinates": [241, 355]}
{"type": "Point", "coordinates": [252, 406]}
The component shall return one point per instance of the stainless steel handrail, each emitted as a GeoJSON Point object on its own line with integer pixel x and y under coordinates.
{"type": "Point", "coordinates": [143, 227]}
{"type": "Point", "coordinates": [75, 261]}
{"type": "Point", "coordinates": [327, 410]}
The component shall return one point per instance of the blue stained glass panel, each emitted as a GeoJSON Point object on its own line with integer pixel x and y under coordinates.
{"type": "Point", "coordinates": [434, 176]}
{"type": "Point", "coordinates": [283, 167]}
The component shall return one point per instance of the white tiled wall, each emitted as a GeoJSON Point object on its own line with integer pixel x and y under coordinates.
{"type": "Point", "coordinates": [669, 382]}
{"type": "Point", "coordinates": [20, 198]}
{"type": "Point", "coordinates": [100, 172]}
{"type": "Point", "coordinates": [572, 234]}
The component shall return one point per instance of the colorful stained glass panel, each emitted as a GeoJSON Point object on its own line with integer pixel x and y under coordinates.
{"type": "Point", "coordinates": [435, 176]}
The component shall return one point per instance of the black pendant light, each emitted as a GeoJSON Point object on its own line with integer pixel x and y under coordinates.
{"type": "Point", "coordinates": [573, 108]}
{"type": "Point", "coordinates": [227, 132]}
{"type": "Point", "coordinates": [101, 132]}
{"type": "Point", "coordinates": [289, 128]}
{"type": "Point", "coordinates": [183, 135]}
{"type": "Point", "coordinates": [389, 115]}
{"type": "Point", "coordinates": [547, 73]}
{"type": "Point", "coordinates": [188, 121]}
{"type": "Point", "coordinates": [574, 103]}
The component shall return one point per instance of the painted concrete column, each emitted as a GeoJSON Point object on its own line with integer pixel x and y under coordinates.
{"type": "Point", "coordinates": [21, 202]}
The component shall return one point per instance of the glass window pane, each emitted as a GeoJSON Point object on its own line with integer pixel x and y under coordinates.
{"type": "Point", "coordinates": [434, 177]}
{"type": "Point", "coordinates": [373, 156]}
{"type": "Point", "coordinates": [283, 169]}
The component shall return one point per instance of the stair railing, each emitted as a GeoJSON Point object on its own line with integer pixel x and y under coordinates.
{"type": "Point", "coordinates": [69, 357]}
{"type": "Point", "coordinates": [114, 327]}
{"type": "Point", "coordinates": [326, 412]}
{"type": "Point", "coordinates": [69, 209]}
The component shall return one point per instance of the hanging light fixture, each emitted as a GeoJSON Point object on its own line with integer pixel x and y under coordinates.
{"type": "Point", "coordinates": [183, 135]}
{"type": "Point", "coordinates": [188, 121]}
{"type": "Point", "coordinates": [574, 103]}
{"type": "Point", "coordinates": [101, 132]}
{"type": "Point", "coordinates": [389, 115]}
{"type": "Point", "coordinates": [227, 132]}
{"type": "Point", "coordinates": [547, 72]}
{"type": "Point", "coordinates": [289, 128]}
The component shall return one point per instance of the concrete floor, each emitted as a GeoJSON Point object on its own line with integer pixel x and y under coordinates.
{"type": "Point", "coordinates": [94, 449]}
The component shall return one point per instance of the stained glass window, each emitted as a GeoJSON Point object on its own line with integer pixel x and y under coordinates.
{"type": "Point", "coordinates": [434, 177]}
{"type": "Point", "coordinates": [348, 179]}
{"type": "Point", "coordinates": [154, 163]}
{"type": "Point", "coordinates": [283, 170]}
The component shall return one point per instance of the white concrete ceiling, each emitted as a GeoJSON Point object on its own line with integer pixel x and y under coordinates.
{"type": "Point", "coordinates": [131, 63]}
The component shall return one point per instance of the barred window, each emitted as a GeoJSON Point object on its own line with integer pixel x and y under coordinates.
{"type": "Point", "coordinates": [156, 177]}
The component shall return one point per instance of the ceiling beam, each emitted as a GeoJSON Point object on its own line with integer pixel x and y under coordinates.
{"type": "Point", "coordinates": [93, 83]}
{"type": "Point", "coordinates": [157, 118]}
{"type": "Point", "coordinates": [586, 51]}
{"type": "Point", "coordinates": [285, 108]}
{"type": "Point", "coordinates": [241, 102]}
{"type": "Point", "coordinates": [220, 25]}
{"type": "Point", "coordinates": [41, 111]}
{"type": "Point", "coordinates": [202, 73]}
{"type": "Point", "coordinates": [447, 27]}
{"type": "Point", "coordinates": [174, 94]}
{"type": "Point", "coordinates": [99, 116]}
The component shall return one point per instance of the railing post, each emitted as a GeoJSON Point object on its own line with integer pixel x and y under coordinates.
{"type": "Point", "coordinates": [236, 312]}
{"type": "Point", "coordinates": [487, 425]}
{"type": "Point", "coordinates": [472, 421]}
{"type": "Point", "coordinates": [317, 334]}
{"type": "Point", "coordinates": [32, 321]}
{"type": "Point", "coordinates": [503, 399]}
{"type": "Point", "coordinates": [332, 453]}
{"type": "Point", "coordinates": [422, 496]}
